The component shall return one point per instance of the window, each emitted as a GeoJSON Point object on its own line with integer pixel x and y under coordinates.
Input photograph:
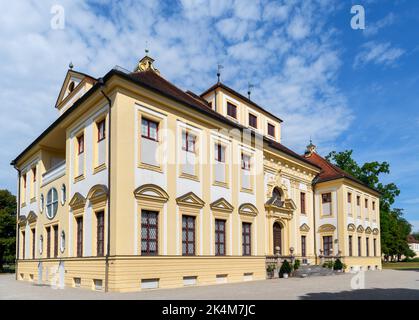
{"type": "Point", "coordinates": [373, 205]}
{"type": "Point", "coordinates": [101, 135]}
{"type": "Point", "coordinates": [271, 130]}
{"type": "Point", "coordinates": [55, 241]}
{"type": "Point", "coordinates": [34, 174]}
{"type": "Point", "coordinates": [367, 245]}
{"type": "Point", "coordinates": [358, 200]}
{"type": "Point", "coordinates": [220, 237]}
{"type": "Point", "coordinates": [231, 110]}
{"type": "Point", "coordinates": [52, 203]}
{"type": "Point", "coordinates": [245, 162]}
{"type": "Point", "coordinates": [80, 144]}
{"type": "Point", "coordinates": [33, 243]}
{"type": "Point", "coordinates": [327, 245]}
{"type": "Point", "coordinates": [246, 238]}
{"type": "Point", "coordinates": [303, 246]}
{"type": "Point", "coordinates": [149, 233]}
{"type": "Point", "coordinates": [219, 152]}
{"type": "Point", "coordinates": [79, 222]}
{"type": "Point", "coordinates": [253, 120]}
{"type": "Point", "coordinates": [349, 197]}
{"type": "Point", "coordinates": [327, 203]}
{"type": "Point", "coordinates": [303, 202]}
{"type": "Point", "coordinates": [24, 180]}
{"type": "Point", "coordinates": [23, 244]}
{"type": "Point", "coordinates": [359, 247]}
{"type": "Point", "coordinates": [188, 141]}
{"type": "Point", "coordinates": [366, 203]}
{"type": "Point", "coordinates": [48, 242]}
{"type": "Point", "coordinates": [350, 246]}
{"type": "Point", "coordinates": [188, 235]}
{"type": "Point", "coordinates": [375, 247]}
{"type": "Point", "coordinates": [71, 86]}
{"type": "Point", "coordinates": [149, 129]}
{"type": "Point", "coordinates": [100, 233]}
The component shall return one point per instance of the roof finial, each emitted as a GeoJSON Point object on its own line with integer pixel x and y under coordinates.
{"type": "Point", "coordinates": [311, 148]}
{"type": "Point", "coordinates": [71, 66]}
{"type": "Point", "coordinates": [146, 48]}
{"type": "Point", "coordinates": [249, 88]}
{"type": "Point", "coordinates": [219, 72]}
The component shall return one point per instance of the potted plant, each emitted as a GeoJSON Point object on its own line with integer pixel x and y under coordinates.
{"type": "Point", "coordinates": [338, 265]}
{"type": "Point", "coordinates": [296, 265]}
{"type": "Point", "coordinates": [285, 270]}
{"type": "Point", "coordinates": [270, 269]}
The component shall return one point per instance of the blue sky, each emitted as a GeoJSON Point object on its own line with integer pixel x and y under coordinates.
{"type": "Point", "coordinates": [345, 88]}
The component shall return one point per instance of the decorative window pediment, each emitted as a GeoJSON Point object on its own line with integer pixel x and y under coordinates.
{"type": "Point", "coordinates": [77, 202]}
{"type": "Point", "coordinates": [32, 217]}
{"type": "Point", "coordinates": [190, 200]}
{"type": "Point", "coordinates": [98, 193]}
{"type": "Point", "coordinates": [360, 229]}
{"type": "Point", "coordinates": [248, 209]}
{"type": "Point", "coordinates": [327, 228]}
{"type": "Point", "coordinates": [351, 227]}
{"type": "Point", "coordinates": [151, 192]}
{"type": "Point", "coordinates": [368, 230]}
{"type": "Point", "coordinates": [304, 228]}
{"type": "Point", "coordinates": [22, 220]}
{"type": "Point", "coordinates": [375, 231]}
{"type": "Point", "coordinates": [222, 205]}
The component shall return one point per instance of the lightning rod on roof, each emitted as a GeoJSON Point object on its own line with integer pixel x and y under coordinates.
{"type": "Point", "coordinates": [249, 89]}
{"type": "Point", "coordinates": [71, 66]}
{"type": "Point", "coordinates": [219, 72]}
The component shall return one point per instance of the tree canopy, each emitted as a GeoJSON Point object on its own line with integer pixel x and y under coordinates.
{"type": "Point", "coordinates": [7, 227]}
{"type": "Point", "coordinates": [394, 228]}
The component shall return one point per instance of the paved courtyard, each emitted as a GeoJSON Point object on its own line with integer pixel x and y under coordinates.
{"type": "Point", "coordinates": [385, 284]}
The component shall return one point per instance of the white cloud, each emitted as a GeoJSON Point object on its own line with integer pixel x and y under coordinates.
{"type": "Point", "coordinates": [374, 28]}
{"type": "Point", "coordinates": [378, 53]}
{"type": "Point", "coordinates": [293, 66]}
{"type": "Point", "coordinates": [415, 225]}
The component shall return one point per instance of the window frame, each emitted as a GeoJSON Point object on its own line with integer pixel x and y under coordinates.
{"type": "Point", "coordinates": [303, 202]}
{"type": "Point", "coordinates": [327, 245]}
{"type": "Point", "coordinates": [100, 230]}
{"type": "Point", "coordinates": [79, 236]}
{"type": "Point", "coordinates": [255, 118]}
{"type": "Point", "coordinates": [80, 144]}
{"type": "Point", "coordinates": [350, 245]}
{"type": "Point", "coordinates": [149, 122]}
{"type": "Point", "coordinates": [50, 203]}
{"type": "Point", "coordinates": [246, 230]}
{"type": "Point", "coordinates": [303, 245]}
{"type": "Point", "coordinates": [243, 163]}
{"type": "Point", "coordinates": [326, 197]}
{"type": "Point", "coordinates": [270, 125]}
{"type": "Point", "coordinates": [56, 237]}
{"type": "Point", "coordinates": [219, 232]}
{"type": "Point", "coordinates": [220, 152]}
{"type": "Point", "coordinates": [231, 107]}
{"type": "Point", "coordinates": [186, 143]}
{"type": "Point", "coordinates": [148, 226]}
{"type": "Point", "coordinates": [186, 241]}
{"type": "Point", "coordinates": [101, 133]}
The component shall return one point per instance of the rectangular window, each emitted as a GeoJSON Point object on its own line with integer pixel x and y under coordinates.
{"type": "Point", "coordinates": [373, 205]}
{"type": "Point", "coordinates": [375, 247]}
{"type": "Point", "coordinates": [245, 162]}
{"type": "Point", "coordinates": [100, 233]}
{"type": "Point", "coordinates": [188, 235]}
{"type": "Point", "coordinates": [271, 130]}
{"type": "Point", "coordinates": [24, 180]}
{"type": "Point", "coordinates": [349, 197]}
{"type": "Point", "coordinates": [303, 202]}
{"type": "Point", "coordinates": [303, 246]}
{"type": "Point", "coordinates": [366, 203]}
{"type": "Point", "coordinates": [219, 151]}
{"type": "Point", "coordinates": [79, 222]}
{"type": "Point", "coordinates": [23, 244]}
{"type": "Point", "coordinates": [359, 247]}
{"type": "Point", "coordinates": [327, 203]}
{"type": "Point", "coordinates": [48, 242]}
{"type": "Point", "coordinates": [220, 237]}
{"type": "Point", "coordinates": [101, 135]}
{"type": "Point", "coordinates": [80, 144]}
{"type": "Point", "coordinates": [55, 241]}
{"type": "Point", "coordinates": [33, 243]}
{"type": "Point", "coordinates": [358, 200]}
{"type": "Point", "coordinates": [34, 174]}
{"type": "Point", "coordinates": [149, 129]}
{"type": "Point", "coordinates": [253, 120]}
{"type": "Point", "coordinates": [231, 110]}
{"type": "Point", "coordinates": [350, 246]}
{"type": "Point", "coordinates": [188, 141]}
{"type": "Point", "coordinates": [149, 233]}
{"type": "Point", "coordinates": [327, 245]}
{"type": "Point", "coordinates": [367, 245]}
{"type": "Point", "coordinates": [246, 238]}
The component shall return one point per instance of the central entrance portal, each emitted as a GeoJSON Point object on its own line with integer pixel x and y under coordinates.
{"type": "Point", "coordinates": [277, 230]}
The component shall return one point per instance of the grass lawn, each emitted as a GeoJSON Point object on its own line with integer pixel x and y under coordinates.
{"type": "Point", "coordinates": [401, 265]}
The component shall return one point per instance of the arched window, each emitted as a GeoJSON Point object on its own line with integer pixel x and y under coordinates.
{"type": "Point", "coordinates": [52, 203]}
{"type": "Point", "coordinates": [63, 194]}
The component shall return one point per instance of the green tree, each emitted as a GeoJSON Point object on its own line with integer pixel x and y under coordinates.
{"type": "Point", "coordinates": [394, 228]}
{"type": "Point", "coordinates": [7, 227]}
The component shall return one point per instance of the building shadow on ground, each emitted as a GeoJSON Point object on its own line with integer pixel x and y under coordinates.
{"type": "Point", "coordinates": [365, 294]}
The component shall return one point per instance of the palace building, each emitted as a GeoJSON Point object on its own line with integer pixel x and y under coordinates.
{"type": "Point", "coordinates": [138, 184]}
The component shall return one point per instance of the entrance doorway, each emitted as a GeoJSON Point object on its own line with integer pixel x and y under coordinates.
{"type": "Point", "coordinates": [277, 235]}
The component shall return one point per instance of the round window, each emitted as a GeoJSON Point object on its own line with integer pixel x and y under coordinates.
{"type": "Point", "coordinates": [52, 203]}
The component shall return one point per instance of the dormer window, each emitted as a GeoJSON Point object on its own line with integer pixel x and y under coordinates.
{"type": "Point", "coordinates": [271, 130]}
{"type": "Point", "coordinates": [71, 86]}
{"type": "Point", "coordinates": [231, 110]}
{"type": "Point", "coordinates": [253, 121]}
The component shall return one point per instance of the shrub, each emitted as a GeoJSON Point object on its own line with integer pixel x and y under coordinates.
{"type": "Point", "coordinates": [271, 267]}
{"type": "Point", "coordinates": [328, 264]}
{"type": "Point", "coordinates": [338, 265]}
{"type": "Point", "coordinates": [285, 268]}
{"type": "Point", "coordinates": [297, 264]}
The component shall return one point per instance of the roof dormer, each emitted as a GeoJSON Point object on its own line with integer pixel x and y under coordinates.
{"type": "Point", "coordinates": [75, 85]}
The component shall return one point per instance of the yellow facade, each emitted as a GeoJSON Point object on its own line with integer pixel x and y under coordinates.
{"type": "Point", "coordinates": [123, 174]}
